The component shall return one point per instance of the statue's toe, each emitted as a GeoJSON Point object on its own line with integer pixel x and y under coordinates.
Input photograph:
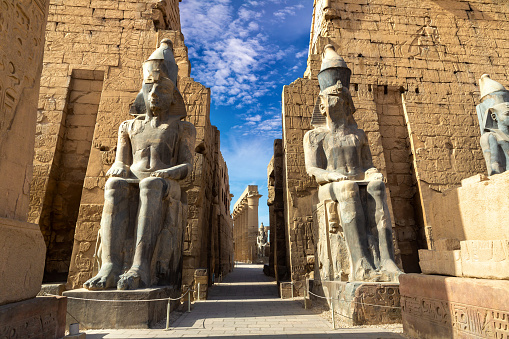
{"type": "Point", "coordinates": [128, 281]}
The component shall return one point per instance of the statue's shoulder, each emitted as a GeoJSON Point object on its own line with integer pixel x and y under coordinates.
{"type": "Point", "coordinates": [187, 131]}
{"type": "Point", "coordinates": [187, 127]}
{"type": "Point", "coordinates": [127, 125]}
{"type": "Point", "coordinates": [316, 135]}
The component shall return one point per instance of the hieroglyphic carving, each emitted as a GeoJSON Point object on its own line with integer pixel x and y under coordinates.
{"type": "Point", "coordinates": [485, 258]}
{"type": "Point", "coordinates": [21, 27]}
{"type": "Point", "coordinates": [476, 321]}
{"type": "Point", "coordinates": [43, 325]}
{"type": "Point", "coordinates": [318, 20]}
{"type": "Point", "coordinates": [368, 296]}
{"type": "Point", "coordinates": [303, 228]}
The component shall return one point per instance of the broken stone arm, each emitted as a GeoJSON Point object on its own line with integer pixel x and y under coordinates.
{"type": "Point", "coordinates": [123, 155]}
{"type": "Point", "coordinates": [489, 145]}
{"type": "Point", "coordinates": [370, 172]}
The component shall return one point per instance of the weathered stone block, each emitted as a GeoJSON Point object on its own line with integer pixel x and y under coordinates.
{"type": "Point", "coordinates": [119, 309]}
{"type": "Point", "coordinates": [22, 265]}
{"type": "Point", "coordinates": [485, 259]}
{"type": "Point", "coordinates": [440, 262]}
{"type": "Point", "coordinates": [361, 303]}
{"type": "Point", "coordinates": [451, 307]}
{"type": "Point", "coordinates": [41, 317]}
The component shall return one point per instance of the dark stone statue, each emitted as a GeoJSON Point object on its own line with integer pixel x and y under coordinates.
{"type": "Point", "coordinates": [144, 206]}
{"type": "Point", "coordinates": [337, 155]}
{"type": "Point", "coordinates": [493, 114]}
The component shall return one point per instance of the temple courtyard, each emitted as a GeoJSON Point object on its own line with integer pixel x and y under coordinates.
{"type": "Point", "coordinates": [246, 304]}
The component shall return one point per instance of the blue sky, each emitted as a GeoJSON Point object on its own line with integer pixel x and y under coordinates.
{"type": "Point", "coordinates": [246, 51]}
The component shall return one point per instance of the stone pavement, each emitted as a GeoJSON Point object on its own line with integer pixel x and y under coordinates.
{"type": "Point", "coordinates": [245, 305]}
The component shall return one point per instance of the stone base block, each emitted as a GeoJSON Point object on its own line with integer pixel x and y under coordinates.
{"type": "Point", "coordinates": [440, 262]}
{"type": "Point", "coordinates": [487, 259]}
{"type": "Point", "coordinates": [22, 264]}
{"type": "Point", "coordinates": [40, 317]}
{"type": "Point", "coordinates": [124, 309]}
{"type": "Point", "coordinates": [361, 303]}
{"type": "Point", "coordinates": [52, 289]}
{"type": "Point", "coordinates": [449, 307]}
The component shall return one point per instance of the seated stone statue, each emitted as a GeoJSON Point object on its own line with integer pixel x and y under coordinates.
{"type": "Point", "coordinates": [144, 208]}
{"type": "Point", "coordinates": [337, 155]}
{"type": "Point", "coordinates": [493, 115]}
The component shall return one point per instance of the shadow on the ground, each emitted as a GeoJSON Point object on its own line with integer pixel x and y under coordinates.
{"type": "Point", "coordinates": [354, 335]}
{"type": "Point", "coordinates": [270, 308]}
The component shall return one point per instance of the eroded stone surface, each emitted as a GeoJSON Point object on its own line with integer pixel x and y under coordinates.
{"type": "Point", "coordinates": [361, 303]}
{"type": "Point", "coordinates": [40, 317]}
{"type": "Point", "coordinates": [450, 307]}
{"type": "Point", "coordinates": [117, 312]}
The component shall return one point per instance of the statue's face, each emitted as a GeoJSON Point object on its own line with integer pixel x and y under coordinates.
{"type": "Point", "coordinates": [337, 104]}
{"type": "Point", "coordinates": [158, 89]}
{"type": "Point", "coordinates": [502, 114]}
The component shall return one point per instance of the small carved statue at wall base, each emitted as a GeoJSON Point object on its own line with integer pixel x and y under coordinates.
{"type": "Point", "coordinates": [493, 113]}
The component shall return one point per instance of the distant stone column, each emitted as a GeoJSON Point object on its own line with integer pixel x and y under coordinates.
{"type": "Point", "coordinates": [252, 225]}
{"type": "Point", "coordinates": [245, 223]}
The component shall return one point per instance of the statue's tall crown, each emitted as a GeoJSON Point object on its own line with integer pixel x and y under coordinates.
{"type": "Point", "coordinates": [165, 53]}
{"type": "Point", "coordinates": [489, 86]}
{"type": "Point", "coordinates": [333, 68]}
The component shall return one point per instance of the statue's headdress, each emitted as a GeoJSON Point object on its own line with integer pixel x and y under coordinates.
{"type": "Point", "coordinates": [168, 68]}
{"type": "Point", "coordinates": [333, 71]}
{"type": "Point", "coordinates": [492, 94]}
{"type": "Point", "coordinates": [168, 65]}
{"type": "Point", "coordinates": [333, 68]}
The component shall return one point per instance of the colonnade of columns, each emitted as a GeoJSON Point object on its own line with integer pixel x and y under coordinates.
{"type": "Point", "coordinates": [245, 225]}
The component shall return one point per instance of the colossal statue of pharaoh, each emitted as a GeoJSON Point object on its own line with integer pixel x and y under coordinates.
{"type": "Point", "coordinates": [144, 206]}
{"type": "Point", "coordinates": [337, 155]}
{"type": "Point", "coordinates": [493, 114]}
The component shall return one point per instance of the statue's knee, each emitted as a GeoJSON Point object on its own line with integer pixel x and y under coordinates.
{"type": "Point", "coordinates": [376, 187]}
{"type": "Point", "coordinates": [115, 183]}
{"type": "Point", "coordinates": [152, 184]}
{"type": "Point", "coordinates": [348, 186]}
{"type": "Point", "coordinates": [347, 190]}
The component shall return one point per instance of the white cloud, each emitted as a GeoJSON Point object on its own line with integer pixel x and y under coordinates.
{"type": "Point", "coordinates": [234, 54]}
{"type": "Point", "coordinates": [302, 54]}
{"type": "Point", "coordinates": [290, 10]}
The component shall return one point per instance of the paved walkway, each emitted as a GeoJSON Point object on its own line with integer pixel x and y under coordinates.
{"type": "Point", "coordinates": [246, 304]}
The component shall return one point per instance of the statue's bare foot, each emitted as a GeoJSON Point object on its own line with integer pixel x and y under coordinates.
{"type": "Point", "coordinates": [106, 278]}
{"type": "Point", "coordinates": [390, 270]}
{"type": "Point", "coordinates": [130, 280]}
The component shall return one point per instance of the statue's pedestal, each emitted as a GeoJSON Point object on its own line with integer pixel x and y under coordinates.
{"type": "Point", "coordinates": [40, 317]}
{"type": "Point", "coordinates": [435, 306]}
{"type": "Point", "coordinates": [361, 303]}
{"type": "Point", "coordinates": [125, 309]}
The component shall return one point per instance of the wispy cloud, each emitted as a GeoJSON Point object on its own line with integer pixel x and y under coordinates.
{"type": "Point", "coordinates": [233, 51]}
{"type": "Point", "coordinates": [290, 10]}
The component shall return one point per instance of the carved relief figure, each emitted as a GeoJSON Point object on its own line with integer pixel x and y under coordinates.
{"type": "Point", "coordinates": [493, 113]}
{"type": "Point", "coordinates": [144, 209]}
{"type": "Point", "coordinates": [426, 42]}
{"type": "Point", "coordinates": [337, 155]}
